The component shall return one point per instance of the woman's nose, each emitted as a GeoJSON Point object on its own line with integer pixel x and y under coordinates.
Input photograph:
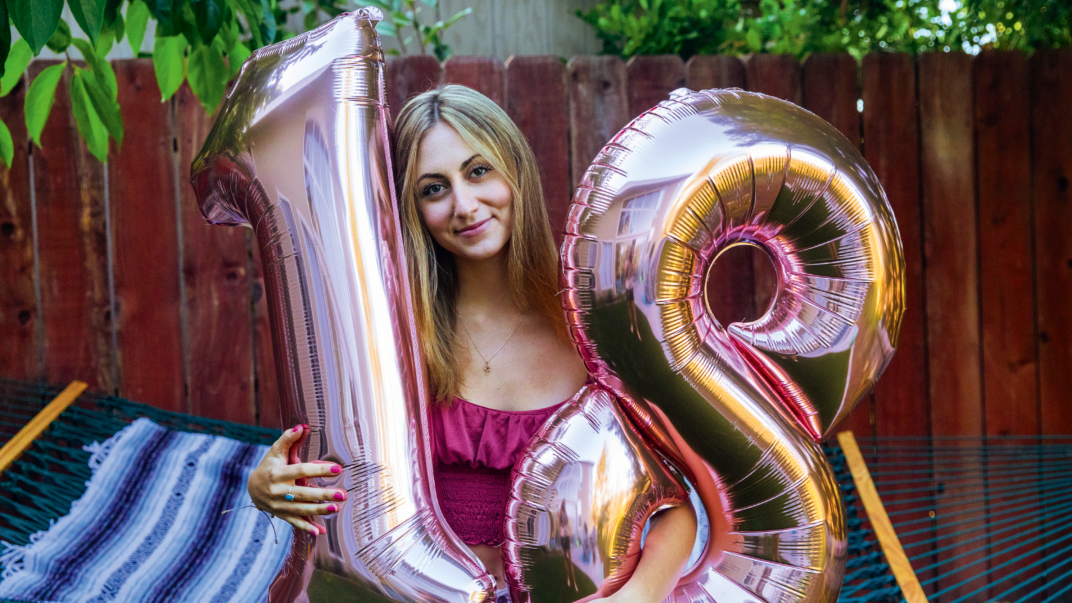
{"type": "Point", "coordinates": [465, 202]}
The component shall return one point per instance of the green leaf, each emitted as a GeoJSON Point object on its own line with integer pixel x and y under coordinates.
{"type": "Point", "coordinates": [454, 19]}
{"type": "Point", "coordinates": [5, 37]}
{"type": "Point", "coordinates": [169, 63]}
{"type": "Point", "coordinates": [15, 66]}
{"type": "Point", "coordinates": [164, 12]}
{"type": "Point", "coordinates": [208, 76]}
{"type": "Point", "coordinates": [90, 16]}
{"type": "Point", "coordinates": [39, 99]}
{"type": "Point", "coordinates": [209, 16]}
{"type": "Point", "coordinates": [36, 20]}
{"type": "Point", "coordinates": [137, 19]}
{"type": "Point", "coordinates": [238, 55]}
{"type": "Point", "coordinates": [7, 146]}
{"type": "Point", "coordinates": [86, 119]}
{"type": "Point", "coordinates": [60, 40]}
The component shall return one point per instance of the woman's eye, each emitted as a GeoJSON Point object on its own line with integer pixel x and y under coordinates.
{"type": "Point", "coordinates": [432, 189]}
{"type": "Point", "coordinates": [480, 170]}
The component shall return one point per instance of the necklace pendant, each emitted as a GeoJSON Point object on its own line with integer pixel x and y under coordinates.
{"type": "Point", "coordinates": [487, 368]}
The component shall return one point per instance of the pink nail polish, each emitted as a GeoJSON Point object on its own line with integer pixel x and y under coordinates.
{"type": "Point", "coordinates": [297, 428]}
{"type": "Point", "coordinates": [336, 469]}
{"type": "Point", "coordinates": [339, 495]}
{"type": "Point", "coordinates": [332, 508]}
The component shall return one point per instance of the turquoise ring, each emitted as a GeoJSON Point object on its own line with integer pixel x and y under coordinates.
{"type": "Point", "coordinates": [289, 496]}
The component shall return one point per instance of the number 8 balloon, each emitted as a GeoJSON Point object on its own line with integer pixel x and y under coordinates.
{"type": "Point", "coordinates": [738, 408]}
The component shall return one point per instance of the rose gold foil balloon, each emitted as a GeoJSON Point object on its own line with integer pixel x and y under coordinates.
{"type": "Point", "coordinates": [559, 529]}
{"type": "Point", "coordinates": [300, 153]}
{"type": "Point", "coordinates": [737, 407]}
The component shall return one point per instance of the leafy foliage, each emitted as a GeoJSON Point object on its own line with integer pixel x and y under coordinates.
{"type": "Point", "coordinates": [401, 16]}
{"type": "Point", "coordinates": [203, 42]}
{"type": "Point", "coordinates": [801, 27]}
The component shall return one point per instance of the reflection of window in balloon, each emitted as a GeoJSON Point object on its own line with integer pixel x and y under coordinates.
{"type": "Point", "coordinates": [638, 213]}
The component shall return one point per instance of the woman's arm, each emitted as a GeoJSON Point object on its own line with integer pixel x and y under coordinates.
{"type": "Point", "coordinates": [663, 558]}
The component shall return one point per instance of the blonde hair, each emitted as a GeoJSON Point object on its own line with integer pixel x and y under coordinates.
{"type": "Point", "coordinates": [532, 264]}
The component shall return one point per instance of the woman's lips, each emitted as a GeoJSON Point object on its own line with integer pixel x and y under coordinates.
{"type": "Point", "coordinates": [475, 229]}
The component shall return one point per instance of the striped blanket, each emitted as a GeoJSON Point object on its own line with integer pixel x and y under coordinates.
{"type": "Point", "coordinates": [150, 527]}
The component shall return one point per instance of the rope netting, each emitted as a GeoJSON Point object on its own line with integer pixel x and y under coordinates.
{"type": "Point", "coordinates": [980, 519]}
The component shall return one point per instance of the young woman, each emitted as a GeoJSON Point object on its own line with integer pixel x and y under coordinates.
{"type": "Point", "coordinates": [484, 272]}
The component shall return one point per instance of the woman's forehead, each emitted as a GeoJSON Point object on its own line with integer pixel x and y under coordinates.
{"type": "Point", "coordinates": [442, 150]}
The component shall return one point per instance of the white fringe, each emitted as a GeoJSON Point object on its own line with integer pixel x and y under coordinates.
{"type": "Point", "coordinates": [13, 557]}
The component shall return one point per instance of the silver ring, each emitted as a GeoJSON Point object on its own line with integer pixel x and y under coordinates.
{"type": "Point", "coordinates": [290, 496]}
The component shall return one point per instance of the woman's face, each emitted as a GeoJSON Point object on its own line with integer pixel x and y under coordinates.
{"type": "Point", "coordinates": [467, 205]}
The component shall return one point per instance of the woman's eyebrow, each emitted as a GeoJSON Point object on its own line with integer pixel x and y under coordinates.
{"type": "Point", "coordinates": [465, 164]}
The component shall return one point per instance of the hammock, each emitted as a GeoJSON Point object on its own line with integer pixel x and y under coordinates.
{"type": "Point", "coordinates": [963, 519]}
{"type": "Point", "coordinates": [973, 519]}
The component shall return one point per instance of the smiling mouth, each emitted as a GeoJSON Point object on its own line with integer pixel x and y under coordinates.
{"type": "Point", "coordinates": [474, 227]}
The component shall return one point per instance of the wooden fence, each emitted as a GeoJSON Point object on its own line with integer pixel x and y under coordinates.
{"type": "Point", "coordinates": [108, 273]}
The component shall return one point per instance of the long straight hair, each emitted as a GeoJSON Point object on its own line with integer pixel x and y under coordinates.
{"type": "Point", "coordinates": [532, 264]}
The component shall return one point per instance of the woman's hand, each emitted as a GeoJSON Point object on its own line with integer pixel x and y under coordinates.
{"type": "Point", "coordinates": [272, 480]}
{"type": "Point", "coordinates": [662, 560]}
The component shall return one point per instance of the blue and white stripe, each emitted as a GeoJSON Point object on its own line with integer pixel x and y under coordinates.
{"type": "Point", "coordinates": [151, 528]}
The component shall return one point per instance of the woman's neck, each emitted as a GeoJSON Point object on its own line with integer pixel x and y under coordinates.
{"type": "Point", "coordinates": [484, 286]}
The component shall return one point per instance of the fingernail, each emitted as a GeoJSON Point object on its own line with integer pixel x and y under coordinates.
{"type": "Point", "coordinates": [340, 495]}
{"type": "Point", "coordinates": [333, 509]}
{"type": "Point", "coordinates": [297, 428]}
{"type": "Point", "coordinates": [336, 469]}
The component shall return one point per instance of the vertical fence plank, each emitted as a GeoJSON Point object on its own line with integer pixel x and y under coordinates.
{"type": "Point", "coordinates": [536, 101]}
{"type": "Point", "coordinates": [891, 146]}
{"type": "Point", "coordinates": [216, 277]}
{"type": "Point", "coordinates": [266, 378]}
{"type": "Point", "coordinates": [829, 89]}
{"type": "Point", "coordinates": [1005, 221]}
{"type": "Point", "coordinates": [409, 76]}
{"type": "Point", "coordinates": [1051, 96]}
{"type": "Point", "coordinates": [483, 74]}
{"type": "Point", "coordinates": [950, 243]}
{"type": "Point", "coordinates": [18, 303]}
{"type": "Point", "coordinates": [143, 216]}
{"type": "Point", "coordinates": [776, 75]}
{"type": "Point", "coordinates": [72, 249]}
{"type": "Point", "coordinates": [599, 107]}
{"type": "Point", "coordinates": [1051, 92]}
{"type": "Point", "coordinates": [705, 72]}
{"type": "Point", "coordinates": [1003, 142]}
{"type": "Point", "coordinates": [652, 79]}
{"type": "Point", "coordinates": [950, 247]}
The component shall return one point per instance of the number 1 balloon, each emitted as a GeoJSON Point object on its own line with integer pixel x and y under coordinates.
{"type": "Point", "coordinates": [299, 152]}
{"type": "Point", "coordinates": [738, 408]}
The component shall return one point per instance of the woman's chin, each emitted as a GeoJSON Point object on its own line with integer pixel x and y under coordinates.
{"type": "Point", "coordinates": [478, 251]}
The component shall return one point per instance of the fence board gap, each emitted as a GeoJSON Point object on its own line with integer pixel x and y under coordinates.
{"type": "Point", "coordinates": [143, 217]}
{"type": "Point", "coordinates": [536, 101]}
{"type": "Point", "coordinates": [18, 301]}
{"type": "Point", "coordinates": [72, 251]}
{"type": "Point", "coordinates": [483, 74]}
{"type": "Point", "coordinates": [216, 277]}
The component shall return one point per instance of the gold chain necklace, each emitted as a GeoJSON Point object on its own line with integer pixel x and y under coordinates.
{"type": "Point", "coordinates": [487, 361]}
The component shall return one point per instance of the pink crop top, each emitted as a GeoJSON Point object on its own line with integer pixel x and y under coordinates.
{"type": "Point", "coordinates": [474, 449]}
